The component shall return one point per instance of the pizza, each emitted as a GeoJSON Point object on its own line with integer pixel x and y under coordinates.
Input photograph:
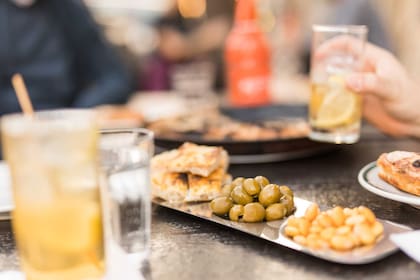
{"type": "Point", "coordinates": [402, 170]}
{"type": "Point", "coordinates": [190, 173]}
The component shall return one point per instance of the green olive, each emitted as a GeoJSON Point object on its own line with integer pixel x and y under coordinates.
{"type": "Point", "coordinates": [287, 200]}
{"type": "Point", "coordinates": [236, 212]}
{"type": "Point", "coordinates": [251, 186]}
{"type": "Point", "coordinates": [286, 190]}
{"type": "Point", "coordinates": [275, 211]}
{"type": "Point", "coordinates": [240, 196]}
{"type": "Point", "coordinates": [253, 212]}
{"type": "Point", "coordinates": [262, 181]}
{"type": "Point", "coordinates": [269, 194]}
{"type": "Point", "coordinates": [238, 181]}
{"type": "Point", "coordinates": [221, 205]}
{"type": "Point", "coordinates": [227, 189]}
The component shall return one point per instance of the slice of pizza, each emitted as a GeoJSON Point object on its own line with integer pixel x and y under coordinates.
{"type": "Point", "coordinates": [172, 187]}
{"type": "Point", "coordinates": [402, 170]}
{"type": "Point", "coordinates": [196, 159]}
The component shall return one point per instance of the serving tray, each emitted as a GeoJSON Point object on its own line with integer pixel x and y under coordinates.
{"type": "Point", "coordinates": [257, 151]}
{"type": "Point", "coordinates": [273, 231]}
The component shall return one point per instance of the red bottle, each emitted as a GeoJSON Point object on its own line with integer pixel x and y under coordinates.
{"type": "Point", "coordinates": [247, 58]}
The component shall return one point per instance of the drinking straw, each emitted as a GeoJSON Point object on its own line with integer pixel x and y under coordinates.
{"type": "Point", "coordinates": [22, 94]}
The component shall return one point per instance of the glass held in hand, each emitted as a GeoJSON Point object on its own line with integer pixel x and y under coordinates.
{"type": "Point", "coordinates": [334, 111]}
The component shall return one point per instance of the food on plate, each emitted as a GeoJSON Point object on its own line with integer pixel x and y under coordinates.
{"type": "Point", "coordinates": [338, 229]}
{"type": "Point", "coordinates": [211, 125]}
{"type": "Point", "coordinates": [402, 170]}
{"type": "Point", "coordinates": [253, 200]}
{"type": "Point", "coordinates": [190, 173]}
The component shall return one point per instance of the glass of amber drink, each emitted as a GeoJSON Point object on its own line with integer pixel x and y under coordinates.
{"type": "Point", "coordinates": [335, 111]}
{"type": "Point", "coordinates": [57, 219]}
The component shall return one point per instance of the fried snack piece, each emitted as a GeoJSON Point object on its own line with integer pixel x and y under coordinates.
{"type": "Point", "coordinates": [340, 229]}
{"type": "Point", "coordinates": [190, 173]}
{"type": "Point", "coordinates": [402, 170]}
{"type": "Point", "coordinates": [160, 161]}
{"type": "Point", "coordinates": [206, 188]}
{"type": "Point", "coordinates": [172, 187]}
{"type": "Point", "coordinates": [196, 159]}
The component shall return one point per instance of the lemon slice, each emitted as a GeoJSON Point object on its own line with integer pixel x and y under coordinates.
{"type": "Point", "coordinates": [338, 108]}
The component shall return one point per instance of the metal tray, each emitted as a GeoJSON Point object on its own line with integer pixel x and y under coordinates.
{"type": "Point", "coordinates": [274, 232]}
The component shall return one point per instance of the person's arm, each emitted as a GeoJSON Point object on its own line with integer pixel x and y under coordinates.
{"type": "Point", "coordinates": [101, 77]}
{"type": "Point", "coordinates": [109, 82]}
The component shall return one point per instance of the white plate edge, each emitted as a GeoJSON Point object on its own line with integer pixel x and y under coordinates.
{"type": "Point", "coordinates": [366, 185]}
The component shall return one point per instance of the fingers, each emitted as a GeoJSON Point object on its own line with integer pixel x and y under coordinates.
{"type": "Point", "coordinates": [413, 130]}
{"type": "Point", "coordinates": [370, 83]}
{"type": "Point", "coordinates": [374, 112]}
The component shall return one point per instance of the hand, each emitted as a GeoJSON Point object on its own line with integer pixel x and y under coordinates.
{"type": "Point", "coordinates": [391, 97]}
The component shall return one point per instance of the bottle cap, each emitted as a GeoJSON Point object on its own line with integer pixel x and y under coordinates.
{"type": "Point", "coordinates": [245, 10]}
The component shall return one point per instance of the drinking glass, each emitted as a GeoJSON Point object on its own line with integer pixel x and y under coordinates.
{"type": "Point", "coordinates": [335, 111]}
{"type": "Point", "coordinates": [57, 219]}
{"type": "Point", "coordinates": [125, 159]}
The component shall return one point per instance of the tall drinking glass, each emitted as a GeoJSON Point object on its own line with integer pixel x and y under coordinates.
{"type": "Point", "coordinates": [125, 158]}
{"type": "Point", "coordinates": [335, 111]}
{"type": "Point", "coordinates": [57, 219]}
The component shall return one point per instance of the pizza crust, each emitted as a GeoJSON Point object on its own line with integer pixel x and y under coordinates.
{"type": "Point", "coordinates": [398, 169]}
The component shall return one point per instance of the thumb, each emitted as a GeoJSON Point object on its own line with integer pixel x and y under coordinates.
{"type": "Point", "coordinates": [370, 83]}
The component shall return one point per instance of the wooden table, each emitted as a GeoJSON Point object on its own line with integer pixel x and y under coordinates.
{"type": "Point", "coordinates": [184, 247]}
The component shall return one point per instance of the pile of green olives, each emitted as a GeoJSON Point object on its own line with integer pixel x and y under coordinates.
{"type": "Point", "coordinates": [253, 200]}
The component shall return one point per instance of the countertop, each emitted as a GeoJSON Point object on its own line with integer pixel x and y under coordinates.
{"type": "Point", "coordinates": [185, 247]}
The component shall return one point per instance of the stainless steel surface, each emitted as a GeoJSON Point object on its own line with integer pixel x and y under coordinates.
{"type": "Point", "coordinates": [273, 231]}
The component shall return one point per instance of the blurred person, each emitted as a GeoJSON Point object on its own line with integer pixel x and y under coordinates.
{"type": "Point", "coordinates": [60, 52]}
{"type": "Point", "coordinates": [391, 98]}
{"type": "Point", "coordinates": [188, 33]}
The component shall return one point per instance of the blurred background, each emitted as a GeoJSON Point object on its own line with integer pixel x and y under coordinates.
{"type": "Point", "coordinates": [165, 42]}
{"type": "Point", "coordinates": [163, 46]}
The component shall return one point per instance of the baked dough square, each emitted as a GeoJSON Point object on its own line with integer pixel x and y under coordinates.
{"type": "Point", "coordinates": [196, 159]}
{"type": "Point", "coordinates": [206, 188]}
{"type": "Point", "coordinates": [190, 173]}
{"type": "Point", "coordinates": [172, 187]}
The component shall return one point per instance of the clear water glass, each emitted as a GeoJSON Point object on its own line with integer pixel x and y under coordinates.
{"type": "Point", "coordinates": [125, 160]}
